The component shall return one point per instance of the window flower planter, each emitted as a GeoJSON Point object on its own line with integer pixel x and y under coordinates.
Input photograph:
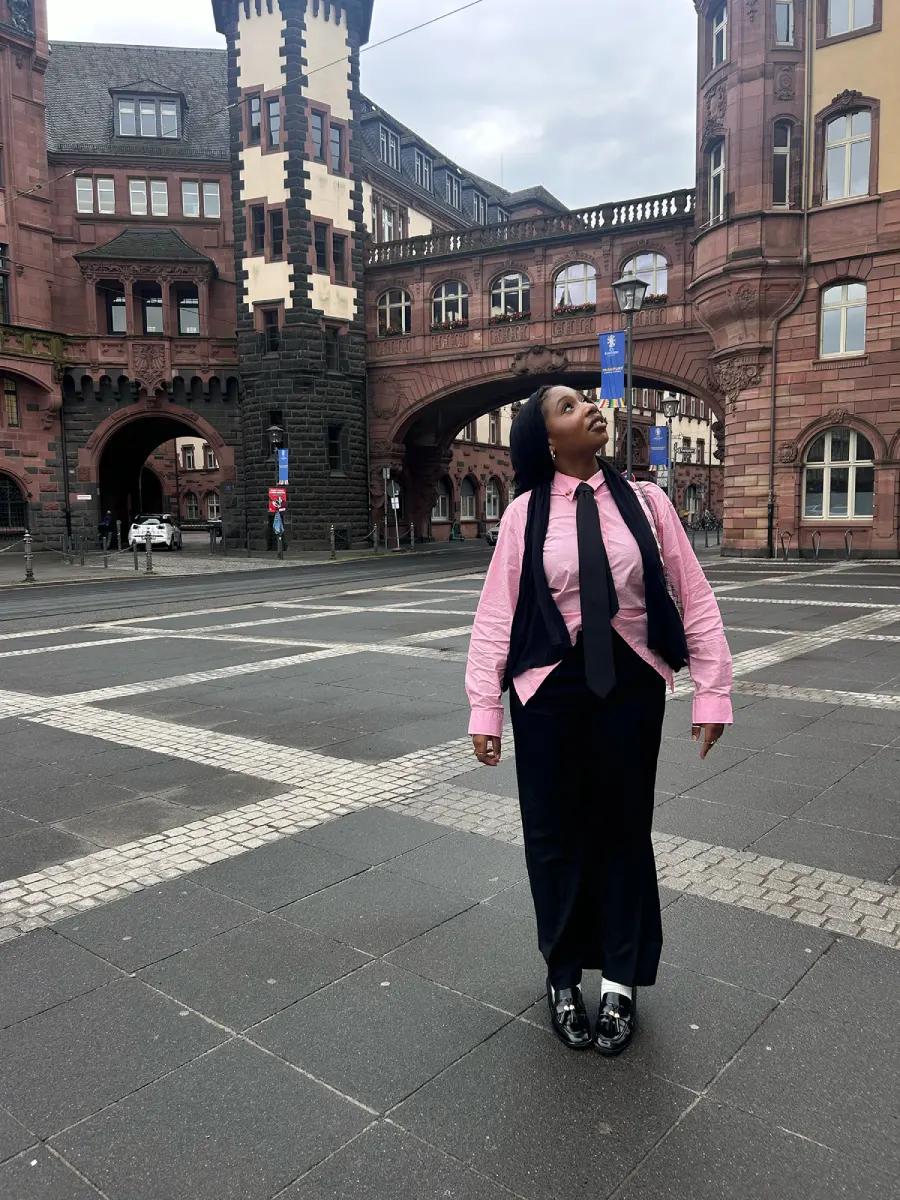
{"type": "Point", "coordinates": [387, 333]}
{"type": "Point", "coordinates": [510, 318]}
{"type": "Point", "coordinates": [449, 326]}
{"type": "Point", "coordinates": [659, 299]}
{"type": "Point", "coordinates": [570, 310]}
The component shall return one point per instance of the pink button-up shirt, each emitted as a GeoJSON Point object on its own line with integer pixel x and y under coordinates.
{"type": "Point", "coordinates": [710, 658]}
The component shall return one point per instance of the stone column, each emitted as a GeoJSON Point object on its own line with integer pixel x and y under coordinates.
{"type": "Point", "coordinates": [129, 307]}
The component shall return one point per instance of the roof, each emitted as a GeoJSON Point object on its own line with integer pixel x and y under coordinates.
{"type": "Point", "coordinates": [363, 14]}
{"type": "Point", "coordinates": [156, 245]}
{"type": "Point", "coordinates": [82, 75]}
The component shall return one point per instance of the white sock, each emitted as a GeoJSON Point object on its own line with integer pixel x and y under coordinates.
{"type": "Point", "coordinates": [621, 989]}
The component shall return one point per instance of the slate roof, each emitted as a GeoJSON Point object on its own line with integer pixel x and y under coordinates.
{"type": "Point", "coordinates": [154, 245]}
{"type": "Point", "coordinates": [80, 107]}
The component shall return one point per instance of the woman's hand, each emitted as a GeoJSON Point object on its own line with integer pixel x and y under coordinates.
{"type": "Point", "coordinates": [487, 749]}
{"type": "Point", "coordinates": [711, 734]}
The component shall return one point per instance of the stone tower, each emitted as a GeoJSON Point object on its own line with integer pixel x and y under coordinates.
{"type": "Point", "coordinates": [293, 73]}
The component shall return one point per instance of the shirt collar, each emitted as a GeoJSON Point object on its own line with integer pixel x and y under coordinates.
{"type": "Point", "coordinates": [565, 485]}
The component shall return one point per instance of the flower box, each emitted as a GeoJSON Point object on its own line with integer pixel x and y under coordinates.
{"type": "Point", "coordinates": [509, 318]}
{"type": "Point", "coordinates": [449, 326]}
{"type": "Point", "coordinates": [571, 310]}
{"type": "Point", "coordinates": [659, 299]}
{"type": "Point", "coordinates": [386, 333]}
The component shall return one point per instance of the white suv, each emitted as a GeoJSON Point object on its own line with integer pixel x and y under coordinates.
{"type": "Point", "coordinates": [159, 528]}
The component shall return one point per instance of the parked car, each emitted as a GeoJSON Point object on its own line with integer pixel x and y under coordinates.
{"type": "Point", "coordinates": [492, 534]}
{"type": "Point", "coordinates": [160, 528]}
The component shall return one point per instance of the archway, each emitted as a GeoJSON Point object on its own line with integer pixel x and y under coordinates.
{"type": "Point", "coordinates": [13, 509]}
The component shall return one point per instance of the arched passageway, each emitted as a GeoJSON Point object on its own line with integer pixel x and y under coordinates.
{"type": "Point", "coordinates": [13, 509]}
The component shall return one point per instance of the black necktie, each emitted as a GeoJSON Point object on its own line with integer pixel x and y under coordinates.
{"type": "Point", "coordinates": [599, 603]}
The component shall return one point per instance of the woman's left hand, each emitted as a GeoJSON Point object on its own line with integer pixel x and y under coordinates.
{"type": "Point", "coordinates": [710, 735]}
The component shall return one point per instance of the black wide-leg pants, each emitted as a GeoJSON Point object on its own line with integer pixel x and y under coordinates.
{"type": "Point", "coordinates": [586, 771]}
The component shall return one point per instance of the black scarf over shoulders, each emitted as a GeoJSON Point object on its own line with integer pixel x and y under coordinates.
{"type": "Point", "coordinates": [539, 637]}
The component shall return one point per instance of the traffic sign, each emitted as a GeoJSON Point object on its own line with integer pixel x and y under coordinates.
{"type": "Point", "coordinates": [395, 502]}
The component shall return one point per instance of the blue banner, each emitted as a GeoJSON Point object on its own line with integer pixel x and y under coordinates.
{"type": "Point", "coordinates": [659, 445]}
{"type": "Point", "coordinates": [282, 467]}
{"type": "Point", "coordinates": [612, 364]}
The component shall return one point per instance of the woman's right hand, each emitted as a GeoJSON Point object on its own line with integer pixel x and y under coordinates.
{"type": "Point", "coordinates": [487, 749]}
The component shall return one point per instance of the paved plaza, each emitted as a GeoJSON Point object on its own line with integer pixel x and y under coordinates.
{"type": "Point", "coordinates": [265, 929]}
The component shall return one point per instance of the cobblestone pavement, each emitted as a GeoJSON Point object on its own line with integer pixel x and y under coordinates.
{"type": "Point", "coordinates": [253, 883]}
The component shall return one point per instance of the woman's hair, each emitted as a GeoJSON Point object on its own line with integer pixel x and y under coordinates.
{"type": "Point", "coordinates": [529, 444]}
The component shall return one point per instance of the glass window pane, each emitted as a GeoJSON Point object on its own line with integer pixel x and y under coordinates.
{"type": "Point", "coordinates": [835, 172]}
{"type": "Point", "coordinates": [856, 291]}
{"type": "Point", "coordinates": [838, 17]}
{"type": "Point", "coordinates": [856, 330]}
{"type": "Point", "coordinates": [780, 179]}
{"type": "Point", "coordinates": [644, 261]}
{"type": "Point", "coordinates": [782, 134]}
{"type": "Point", "coordinates": [833, 295]}
{"type": "Point", "coordinates": [840, 445]}
{"type": "Point", "coordinates": [84, 195]}
{"type": "Point", "coordinates": [831, 331]}
{"type": "Point", "coordinates": [159, 197]}
{"type": "Point", "coordinates": [864, 14]}
{"type": "Point", "coordinates": [212, 204]}
{"type": "Point", "coordinates": [813, 492]}
{"type": "Point", "coordinates": [838, 492]}
{"type": "Point", "coordinates": [106, 195]}
{"type": "Point", "coordinates": [138, 193]}
{"type": "Point", "coordinates": [859, 168]}
{"type": "Point", "coordinates": [837, 130]}
{"type": "Point", "coordinates": [816, 452]}
{"type": "Point", "coordinates": [168, 119]}
{"type": "Point", "coordinates": [148, 118]}
{"type": "Point", "coordinates": [861, 123]}
{"type": "Point", "coordinates": [864, 492]}
{"type": "Point", "coordinates": [864, 452]}
{"type": "Point", "coordinates": [190, 199]}
{"type": "Point", "coordinates": [127, 127]}
{"type": "Point", "coordinates": [783, 23]}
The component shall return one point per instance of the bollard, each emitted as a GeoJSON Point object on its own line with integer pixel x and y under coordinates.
{"type": "Point", "coordinates": [280, 546]}
{"type": "Point", "coordinates": [134, 546]}
{"type": "Point", "coordinates": [848, 543]}
{"type": "Point", "coordinates": [81, 550]}
{"type": "Point", "coordinates": [106, 551]}
{"type": "Point", "coordinates": [332, 541]}
{"type": "Point", "coordinates": [412, 536]}
{"type": "Point", "coordinates": [119, 546]}
{"type": "Point", "coordinates": [67, 549]}
{"type": "Point", "coordinates": [29, 560]}
{"type": "Point", "coordinates": [718, 533]}
{"type": "Point", "coordinates": [817, 543]}
{"type": "Point", "coordinates": [212, 539]}
{"type": "Point", "coordinates": [706, 536]}
{"type": "Point", "coordinates": [375, 539]}
{"type": "Point", "coordinates": [148, 546]}
{"type": "Point", "coordinates": [786, 539]}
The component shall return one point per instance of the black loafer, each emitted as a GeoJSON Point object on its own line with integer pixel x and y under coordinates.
{"type": "Point", "coordinates": [569, 1017]}
{"type": "Point", "coordinates": [615, 1023]}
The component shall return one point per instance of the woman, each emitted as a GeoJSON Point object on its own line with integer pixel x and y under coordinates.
{"type": "Point", "coordinates": [577, 620]}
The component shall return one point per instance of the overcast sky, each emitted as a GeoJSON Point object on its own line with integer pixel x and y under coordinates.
{"type": "Point", "coordinates": [595, 99]}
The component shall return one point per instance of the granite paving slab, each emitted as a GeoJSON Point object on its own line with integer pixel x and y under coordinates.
{"type": "Point", "coordinates": [14, 1137]}
{"type": "Point", "coordinates": [372, 835]}
{"type": "Point", "coordinates": [832, 749]}
{"type": "Point", "coordinates": [129, 821]}
{"type": "Point", "coordinates": [379, 1034]}
{"type": "Point", "coordinates": [41, 970]}
{"type": "Point", "coordinates": [834, 849]}
{"type": "Point", "coordinates": [75, 799]}
{"type": "Point", "coordinates": [277, 874]}
{"type": "Point", "coordinates": [11, 823]}
{"type": "Point", "coordinates": [741, 787]}
{"type": "Point", "coordinates": [861, 810]}
{"type": "Point", "coordinates": [466, 863]}
{"type": "Point", "coordinates": [496, 781]}
{"type": "Point", "coordinates": [39, 1175]}
{"type": "Point", "coordinates": [868, 974]}
{"type": "Point", "coordinates": [709, 821]}
{"type": "Point", "coordinates": [40, 846]}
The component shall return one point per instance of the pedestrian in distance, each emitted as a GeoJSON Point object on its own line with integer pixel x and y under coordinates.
{"type": "Point", "coordinates": [107, 529]}
{"type": "Point", "coordinates": [592, 602]}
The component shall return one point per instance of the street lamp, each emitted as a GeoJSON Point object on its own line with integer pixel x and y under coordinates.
{"type": "Point", "coordinates": [630, 292]}
{"type": "Point", "coordinates": [276, 437]}
{"type": "Point", "coordinates": [670, 408]}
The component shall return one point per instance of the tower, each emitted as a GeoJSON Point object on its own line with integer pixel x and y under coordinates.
{"type": "Point", "coordinates": [293, 68]}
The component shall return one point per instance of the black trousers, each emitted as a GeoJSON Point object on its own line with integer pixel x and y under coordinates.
{"type": "Point", "coordinates": [586, 771]}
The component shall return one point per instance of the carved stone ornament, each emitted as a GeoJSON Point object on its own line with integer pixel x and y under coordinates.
{"type": "Point", "coordinates": [747, 298]}
{"type": "Point", "coordinates": [846, 100]}
{"type": "Point", "coordinates": [715, 105]}
{"type": "Point", "coordinates": [838, 416]}
{"type": "Point", "coordinates": [787, 452]}
{"type": "Point", "coordinates": [735, 375]}
{"type": "Point", "coordinates": [150, 366]}
{"type": "Point", "coordinates": [752, 10]}
{"type": "Point", "coordinates": [539, 360]}
{"type": "Point", "coordinates": [784, 82]}
{"type": "Point", "coordinates": [21, 15]}
{"type": "Point", "coordinates": [388, 396]}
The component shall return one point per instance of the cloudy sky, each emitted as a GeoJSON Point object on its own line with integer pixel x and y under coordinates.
{"type": "Point", "coordinates": [592, 98]}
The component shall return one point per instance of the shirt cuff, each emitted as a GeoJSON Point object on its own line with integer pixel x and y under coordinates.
{"type": "Point", "coordinates": [712, 710]}
{"type": "Point", "coordinates": [488, 721]}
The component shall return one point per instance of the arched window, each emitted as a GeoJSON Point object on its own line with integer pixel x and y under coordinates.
{"type": "Point", "coordinates": [575, 285]}
{"type": "Point", "coordinates": [719, 27]}
{"type": "Point", "coordinates": [213, 510]}
{"type": "Point", "coordinates": [443, 505]}
{"type": "Point", "coordinates": [839, 477]}
{"type": "Point", "coordinates": [781, 164]}
{"type": "Point", "coordinates": [716, 168]}
{"type": "Point", "coordinates": [467, 499]}
{"type": "Point", "coordinates": [191, 506]}
{"type": "Point", "coordinates": [653, 269]}
{"type": "Point", "coordinates": [492, 500]}
{"type": "Point", "coordinates": [511, 296]}
{"type": "Point", "coordinates": [848, 155]}
{"type": "Point", "coordinates": [394, 313]}
{"type": "Point", "coordinates": [13, 508]}
{"type": "Point", "coordinates": [843, 320]}
{"type": "Point", "coordinates": [450, 304]}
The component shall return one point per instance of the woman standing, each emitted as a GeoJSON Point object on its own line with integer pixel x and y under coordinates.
{"type": "Point", "coordinates": [577, 620]}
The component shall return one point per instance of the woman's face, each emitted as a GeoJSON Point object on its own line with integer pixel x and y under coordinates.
{"type": "Point", "coordinates": [575, 425]}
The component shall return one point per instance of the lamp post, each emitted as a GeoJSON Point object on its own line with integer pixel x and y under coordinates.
{"type": "Point", "coordinates": [630, 292]}
{"type": "Point", "coordinates": [670, 408]}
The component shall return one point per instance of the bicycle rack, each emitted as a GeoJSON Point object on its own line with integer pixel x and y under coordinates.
{"type": "Point", "coordinates": [785, 549]}
{"type": "Point", "coordinates": [848, 543]}
{"type": "Point", "coordinates": [816, 543]}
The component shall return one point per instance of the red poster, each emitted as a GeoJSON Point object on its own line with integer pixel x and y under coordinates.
{"type": "Point", "coordinates": [277, 500]}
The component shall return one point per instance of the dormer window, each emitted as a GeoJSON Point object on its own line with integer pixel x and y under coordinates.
{"type": "Point", "coordinates": [390, 148]}
{"type": "Point", "coordinates": [454, 192]}
{"type": "Point", "coordinates": [142, 116]}
{"type": "Point", "coordinates": [424, 171]}
{"type": "Point", "coordinates": [479, 208]}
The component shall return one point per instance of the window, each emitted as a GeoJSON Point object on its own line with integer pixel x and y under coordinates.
{"type": "Point", "coordinates": [494, 429]}
{"type": "Point", "coordinates": [168, 120]}
{"type": "Point", "coordinates": [645, 398]}
{"type": "Point", "coordinates": [781, 165]}
{"type": "Point", "coordinates": [106, 195]}
{"type": "Point", "coordinates": [511, 295]}
{"type": "Point", "coordinates": [701, 451]}
{"type": "Point", "coordinates": [276, 234]}
{"type": "Point", "coordinates": [137, 192]}
{"type": "Point", "coordinates": [320, 238]}
{"type": "Point", "coordinates": [188, 301]}
{"type": "Point", "coordinates": [467, 499]}
{"type": "Point", "coordinates": [424, 171]}
{"type": "Point", "coordinates": [702, 410]}
{"type": "Point", "coordinates": [187, 459]}
{"type": "Point", "coordinates": [693, 406]}
{"type": "Point", "coordinates": [388, 223]}
{"type": "Point", "coordinates": [271, 330]}
{"type": "Point", "coordinates": [191, 503]}
{"type": "Point", "coordinates": [575, 285]}
{"type": "Point", "coordinates": [318, 135]}
{"type": "Point", "coordinates": [443, 502]}
{"type": "Point", "coordinates": [84, 194]}
{"type": "Point", "coordinates": [468, 433]}
{"type": "Point", "coordinates": [502, 216]}
{"type": "Point", "coordinates": [212, 200]}
{"type": "Point", "coordinates": [717, 183]}
{"type": "Point", "coordinates": [844, 320]}
{"type": "Point", "coordinates": [116, 319]}
{"type": "Point", "coordinates": [336, 145]}
{"type": "Point", "coordinates": [784, 22]}
{"type": "Point", "coordinates": [257, 229]}
{"type": "Point", "coordinates": [454, 191]}
{"type": "Point", "coordinates": [213, 509]}
{"type": "Point", "coordinates": [653, 269]}
{"type": "Point", "coordinates": [686, 449]}
{"type": "Point", "coordinates": [147, 110]}
{"type": "Point", "coordinates": [147, 118]}
{"type": "Point", "coordinates": [479, 208]}
{"type": "Point", "coordinates": [338, 449]}
{"type": "Point", "coordinates": [273, 122]}
{"type": "Point", "coordinates": [10, 404]}
{"type": "Point", "coordinates": [339, 257]}
{"type": "Point", "coordinates": [450, 303]}
{"type": "Point", "coordinates": [390, 148]}
{"type": "Point", "coordinates": [839, 476]}
{"type": "Point", "coordinates": [845, 16]}
{"type": "Point", "coordinates": [492, 501]}
{"type": "Point", "coordinates": [848, 149]}
{"type": "Point", "coordinates": [209, 459]}
{"type": "Point", "coordinates": [254, 104]}
{"type": "Point", "coordinates": [127, 123]}
{"type": "Point", "coordinates": [334, 349]}
{"type": "Point", "coordinates": [720, 35]}
{"type": "Point", "coordinates": [394, 313]}
{"type": "Point", "coordinates": [159, 197]}
{"type": "Point", "coordinates": [190, 199]}
{"type": "Point", "coordinates": [151, 307]}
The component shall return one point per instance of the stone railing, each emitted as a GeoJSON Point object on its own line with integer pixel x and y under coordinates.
{"type": "Point", "coordinates": [627, 214]}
